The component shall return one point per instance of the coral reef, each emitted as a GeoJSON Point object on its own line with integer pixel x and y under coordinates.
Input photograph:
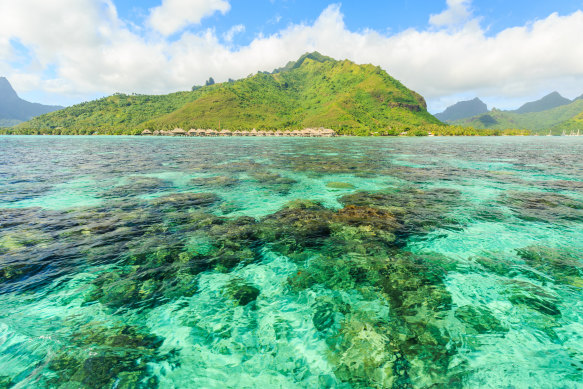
{"type": "Point", "coordinates": [564, 266]}
{"type": "Point", "coordinates": [113, 357]}
{"type": "Point", "coordinates": [273, 181]}
{"type": "Point", "coordinates": [241, 292]}
{"type": "Point", "coordinates": [215, 182]}
{"type": "Point", "coordinates": [136, 185]}
{"type": "Point", "coordinates": [545, 207]}
{"type": "Point", "coordinates": [479, 320]}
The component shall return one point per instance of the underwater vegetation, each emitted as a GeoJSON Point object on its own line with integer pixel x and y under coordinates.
{"type": "Point", "coordinates": [285, 271]}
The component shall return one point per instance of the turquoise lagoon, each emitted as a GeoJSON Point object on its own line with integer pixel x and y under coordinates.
{"type": "Point", "coordinates": [132, 262]}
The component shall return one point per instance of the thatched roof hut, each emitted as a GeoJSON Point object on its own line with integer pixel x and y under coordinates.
{"type": "Point", "coordinates": [178, 132]}
{"type": "Point", "coordinates": [192, 132]}
{"type": "Point", "coordinates": [156, 132]}
{"type": "Point", "coordinates": [211, 132]}
{"type": "Point", "coordinates": [237, 133]}
{"type": "Point", "coordinates": [253, 132]}
{"type": "Point", "coordinates": [327, 132]}
{"type": "Point", "coordinates": [287, 133]}
{"type": "Point", "coordinates": [245, 133]}
{"type": "Point", "coordinates": [261, 133]}
{"type": "Point", "coordinates": [296, 133]}
{"type": "Point", "coordinates": [146, 132]}
{"type": "Point", "coordinates": [278, 133]}
{"type": "Point", "coordinates": [225, 133]}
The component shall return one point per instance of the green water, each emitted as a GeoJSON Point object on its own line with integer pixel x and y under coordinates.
{"type": "Point", "coordinates": [132, 262]}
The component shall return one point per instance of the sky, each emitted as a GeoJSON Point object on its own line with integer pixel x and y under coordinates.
{"type": "Point", "coordinates": [505, 52]}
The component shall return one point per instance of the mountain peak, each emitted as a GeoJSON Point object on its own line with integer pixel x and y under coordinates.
{"type": "Point", "coordinates": [13, 109]}
{"type": "Point", "coordinates": [315, 56]}
{"type": "Point", "coordinates": [552, 100]}
{"type": "Point", "coordinates": [462, 110]}
{"type": "Point", "coordinates": [6, 90]}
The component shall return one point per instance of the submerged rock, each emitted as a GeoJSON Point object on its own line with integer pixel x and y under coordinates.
{"type": "Point", "coordinates": [297, 227]}
{"type": "Point", "coordinates": [564, 266]}
{"type": "Point", "coordinates": [363, 357]}
{"type": "Point", "coordinates": [274, 181]}
{"type": "Point", "coordinates": [241, 292]}
{"type": "Point", "coordinates": [323, 317]}
{"type": "Point", "coordinates": [137, 185]}
{"type": "Point", "coordinates": [533, 297]}
{"type": "Point", "coordinates": [215, 181]}
{"type": "Point", "coordinates": [185, 200]}
{"type": "Point", "coordinates": [416, 211]}
{"type": "Point", "coordinates": [339, 185]}
{"type": "Point", "coordinates": [546, 207]}
{"type": "Point", "coordinates": [5, 382]}
{"type": "Point", "coordinates": [115, 357]}
{"type": "Point", "coordinates": [479, 319]}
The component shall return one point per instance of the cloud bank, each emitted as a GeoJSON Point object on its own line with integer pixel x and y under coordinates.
{"type": "Point", "coordinates": [88, 49]}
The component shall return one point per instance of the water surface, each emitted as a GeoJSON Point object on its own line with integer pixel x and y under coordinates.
{"type": "Point", "coordinates": [257, 262]}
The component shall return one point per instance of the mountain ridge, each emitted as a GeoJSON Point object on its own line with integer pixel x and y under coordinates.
{"type": "Point", "coordinates": [550, 101]}
{"type": "Point", "coordinates": [313, 91]}
{"type": "Point", "coordinates": [14, 110]}
{"type": "Point", "coordinates": [462, 110]}
{"type": "Point", "coordinates": [553, 119]}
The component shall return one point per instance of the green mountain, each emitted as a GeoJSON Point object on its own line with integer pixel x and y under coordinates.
{"type": "Point", "coordinates": [463, 109]}
{"type": "Point", "coordinates": [14, 110]}
{"type": "Point", "coordinates": [314, 91]}
{"type": "Point", "coordinates": [541, 122]}
{"type": "Point", "coordinates": [573, 124]}
{"type": "Point", "coordinates": [550, 101]}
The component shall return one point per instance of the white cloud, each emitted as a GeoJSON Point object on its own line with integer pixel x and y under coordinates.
{"type": "Point", "coordinates": [457, 12]}
{"type": "Point", "coordinates": [92, 51]}
{"type": "Point", "coordinates": [174, 15]}
{"type": "Point", "coordinates": [229, 35]}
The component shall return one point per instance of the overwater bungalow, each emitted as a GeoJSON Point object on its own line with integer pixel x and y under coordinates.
{"type": "Point", "coordinates": [178, 132]}
{"type": "Point", "coordinates": [327, 132]}
{"type": "Point", "coordinates": [306, 132]}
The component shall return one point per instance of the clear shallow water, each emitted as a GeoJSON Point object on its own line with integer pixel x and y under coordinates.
{"type": "Point", "coordinates": [353, 262]}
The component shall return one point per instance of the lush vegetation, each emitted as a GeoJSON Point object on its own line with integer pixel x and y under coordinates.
{"type": "Point", "coordinates": [315, 91]}
{"type": "Point", "coordinates": [573, 124]}
{"type": "Point", "coordinates": [117, 114]}
{"type": "Point", "coordinates": [554, 120]}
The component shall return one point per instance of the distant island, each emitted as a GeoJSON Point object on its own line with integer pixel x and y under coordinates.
{"type": "Point", "coordinates": [552, 114]}
{"type": "Point", "coordinates": [313, 92]}
{"type": "Point", "coordinates": [14, 110]}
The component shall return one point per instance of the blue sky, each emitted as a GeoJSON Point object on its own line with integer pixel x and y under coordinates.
{"type": "Point", "coordinates": [506, 52]}
{"type": "Point", "coordinates": [269, 16]}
